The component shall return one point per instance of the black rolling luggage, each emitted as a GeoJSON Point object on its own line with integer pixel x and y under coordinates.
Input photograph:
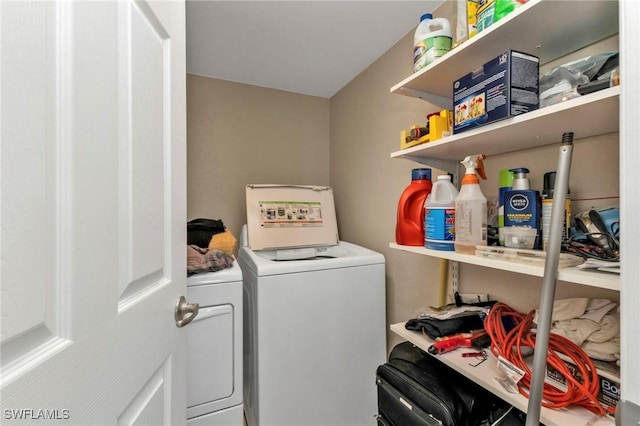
{"type": "Point", "coordinates": [415, 389]}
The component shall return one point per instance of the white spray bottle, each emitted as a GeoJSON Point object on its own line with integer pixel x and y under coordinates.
{"type": "Point", "coordinates": [471, 208]}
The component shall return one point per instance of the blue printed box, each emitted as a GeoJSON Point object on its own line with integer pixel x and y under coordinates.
{"type": "Point", "coordinates": [503, 87]}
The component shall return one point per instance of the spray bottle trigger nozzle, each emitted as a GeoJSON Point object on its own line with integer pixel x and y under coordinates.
{"type": "Point", "coordinates": [480, 167]}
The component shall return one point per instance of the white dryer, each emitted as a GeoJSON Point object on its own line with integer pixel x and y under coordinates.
{"type": "Point", "coordinates": [214, 351]}
{"type": "Point", "coordinates": [314, 334]}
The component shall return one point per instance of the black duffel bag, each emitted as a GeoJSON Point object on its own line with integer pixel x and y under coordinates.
{"type": "Point", "coordinates": [415, 389]}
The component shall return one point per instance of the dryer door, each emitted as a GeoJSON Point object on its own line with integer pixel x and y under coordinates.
{"type": "Point", "coordinates": [210, 363]}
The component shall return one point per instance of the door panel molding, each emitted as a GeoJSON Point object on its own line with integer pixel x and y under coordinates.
{"type": "Point", "coordinates": [151, 406]}
{"type": "Point", "coordinates": [37, 157]}
{"type": "Point", "coordinates": [144, 168]}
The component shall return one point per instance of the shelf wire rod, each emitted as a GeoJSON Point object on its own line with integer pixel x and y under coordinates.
{"type": "Point", "coordinates": [454, 263]}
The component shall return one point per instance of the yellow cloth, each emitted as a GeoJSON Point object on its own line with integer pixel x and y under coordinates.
{"type": "Point", "coordinates": [224, 241]}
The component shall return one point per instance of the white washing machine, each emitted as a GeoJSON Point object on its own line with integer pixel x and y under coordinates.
{"type": "Point", "coordinates": [214, 351]}
{"type": "Point", "coordinates": [314, 334]}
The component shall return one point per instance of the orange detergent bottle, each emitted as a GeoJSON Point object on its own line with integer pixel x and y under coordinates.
{"type": "Point", "coordinates": [410, 220]}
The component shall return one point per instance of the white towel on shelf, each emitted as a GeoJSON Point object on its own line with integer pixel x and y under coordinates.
{"type": "Point", "coordinates": [593, 324]}
{"type": "Point", "coordinates": [598, 308]}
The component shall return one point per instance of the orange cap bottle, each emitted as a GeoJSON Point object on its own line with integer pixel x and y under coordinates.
{"type": "Point", "coordinates": [410, 218]}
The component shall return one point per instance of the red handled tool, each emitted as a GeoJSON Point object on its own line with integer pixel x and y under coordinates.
{"type": "Point", "coordinates": [461, 340]}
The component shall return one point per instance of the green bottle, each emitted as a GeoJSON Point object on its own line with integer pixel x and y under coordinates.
{"type": "Point", "coordinates": [505, 7]}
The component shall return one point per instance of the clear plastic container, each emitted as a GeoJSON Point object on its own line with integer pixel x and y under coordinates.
{"type": "Point", "coordinates": [519, 236]}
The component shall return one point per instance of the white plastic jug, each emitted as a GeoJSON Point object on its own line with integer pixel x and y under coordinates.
{"type": "Point", "coordinates": [431, 40]}
{"type": "Point", "coordinates": [440, 214]}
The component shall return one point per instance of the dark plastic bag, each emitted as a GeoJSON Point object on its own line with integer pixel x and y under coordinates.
{"type": "Point", "coordinates": [200, 231]}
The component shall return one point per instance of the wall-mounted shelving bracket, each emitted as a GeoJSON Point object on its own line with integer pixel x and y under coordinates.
{"type": "Point", "coordinates": [440, 101]}
{"type": "Point", "coordinates": [448, 166]}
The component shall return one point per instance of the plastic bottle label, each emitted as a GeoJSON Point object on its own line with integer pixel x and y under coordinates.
{"type": "Point", "coordinates": [471, 222]}
{"type": "Point", "coordinates": [547, 205]}
{"type": "Point", "coordinates": [429, 49]}
{"type": "Point", "coordinates": [440, 224]}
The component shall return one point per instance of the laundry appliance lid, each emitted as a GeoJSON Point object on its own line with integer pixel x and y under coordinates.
{"type": "Point", "coordinates": [231, 274]}
{"type": "Point", "coordinates": [342, 255]}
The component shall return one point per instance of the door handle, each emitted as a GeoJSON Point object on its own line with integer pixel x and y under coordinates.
{"type": "Point", "coordinates": [185, 312]}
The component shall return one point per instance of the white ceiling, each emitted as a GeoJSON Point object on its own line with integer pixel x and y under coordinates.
{"type": "Point", "coordinates": [308, 47]}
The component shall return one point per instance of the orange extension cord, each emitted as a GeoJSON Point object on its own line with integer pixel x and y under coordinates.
{"type": "Point", "coordinates": [509, 345]}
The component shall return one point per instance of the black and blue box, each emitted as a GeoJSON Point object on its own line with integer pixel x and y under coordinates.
{"type": "Point", "coordinates": [608, 376]}
{"type": "Point", "coordinates": [504, 87]}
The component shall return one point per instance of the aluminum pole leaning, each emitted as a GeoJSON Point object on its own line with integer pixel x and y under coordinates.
{"type": "Point", "coordinates": [549, 279]}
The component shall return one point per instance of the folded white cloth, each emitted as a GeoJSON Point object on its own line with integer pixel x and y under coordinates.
{"type": "Point", "coordinates": [598, 308]}
{"type": "Point", "coordinates": [593, 324]}
{"type": "Point", "coordinates": [610, 329]}
{"type": "Point", "coordinates": [576, 330]}
{"type": "Point", "coordinates": [566, 309]}
{"type": "Point", "coordinates": [581, 330]}
{"type": "Point", "coordinates": [606, 351]}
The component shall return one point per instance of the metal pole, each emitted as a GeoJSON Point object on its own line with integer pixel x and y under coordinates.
{"type": "Point", "coordinates": [538, 372]}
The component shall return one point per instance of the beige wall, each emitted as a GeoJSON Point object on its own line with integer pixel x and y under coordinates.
{"type": "Point", "coordinates": [366, 120]}
{"type": "Point", "coordinates": [239, 134]}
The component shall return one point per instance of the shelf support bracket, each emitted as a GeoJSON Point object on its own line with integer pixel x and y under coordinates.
{"type": "Point", "coordinates": [440, 101]}
{"type": "Point", "coordinates": [448, 166]}
{"type": "Point", "coordinates": [454, 277]}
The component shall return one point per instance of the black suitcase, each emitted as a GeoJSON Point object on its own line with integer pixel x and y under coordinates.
{"type": "Point", "coordinates": [415, 389]}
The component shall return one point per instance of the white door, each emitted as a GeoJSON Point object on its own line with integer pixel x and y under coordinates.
{"type": "Point", "coordinates": [93, 212]}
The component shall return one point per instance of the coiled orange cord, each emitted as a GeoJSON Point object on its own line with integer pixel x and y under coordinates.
{"type": "Point", "coordinates": [509, 345]}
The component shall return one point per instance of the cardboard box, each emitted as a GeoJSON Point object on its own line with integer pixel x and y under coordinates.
{"type": "Point", "coordinates": [439, 125]}
{"type": "Point", "coordinates": [609, 378]}
{"type": "Point", "coordinates": [290, 216]}
{"type": "Point", "coordinates": [504, 87]}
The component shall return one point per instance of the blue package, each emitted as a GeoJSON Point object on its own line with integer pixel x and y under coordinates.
{"type": "Point", "coordinates": [503, 87]}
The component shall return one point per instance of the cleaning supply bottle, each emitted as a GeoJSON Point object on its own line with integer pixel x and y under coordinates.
{"type": "Point", "coordinates": [522, 204]}
{"type": "Point", "coordinates": [440, 215]}
{"type": "Point", "coordinates": [549, 181]}
{"type": "Point", "coordinates": [431, 40]}
{"type": "Point", "coordinates": [505, 183]}
{"type": "Point", "coordinates": [410, 220]}
{"type": "Point", "coordinates": [471, 208]}
{"type": "Point", "coordinates": [505, 7]}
